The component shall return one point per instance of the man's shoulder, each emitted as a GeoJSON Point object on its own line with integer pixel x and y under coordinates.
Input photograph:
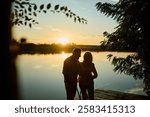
{"type": "Point", "coordinates": [68, 59]}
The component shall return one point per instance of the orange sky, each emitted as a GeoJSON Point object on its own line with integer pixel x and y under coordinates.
{"type": "Point", "coordinates": [54, 26]}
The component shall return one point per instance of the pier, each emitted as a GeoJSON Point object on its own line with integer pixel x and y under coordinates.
{"type": "Point", "coordinates": [103, 94]}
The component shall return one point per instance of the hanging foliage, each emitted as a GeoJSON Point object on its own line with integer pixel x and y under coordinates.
{"type": "Point", "coordinates": [25, 12]}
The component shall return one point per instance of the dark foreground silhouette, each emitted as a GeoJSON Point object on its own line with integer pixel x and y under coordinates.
{"type": "Point", "coordinates": [70, 72]}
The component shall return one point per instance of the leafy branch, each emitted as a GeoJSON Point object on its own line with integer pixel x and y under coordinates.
{"type": "Point", "coordinates": [25, 12]}
{"type": "Point", "coordinates": [131, 65]}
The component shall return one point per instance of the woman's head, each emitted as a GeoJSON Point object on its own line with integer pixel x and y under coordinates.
{"type": "Point", "coordinates": [88, 57]}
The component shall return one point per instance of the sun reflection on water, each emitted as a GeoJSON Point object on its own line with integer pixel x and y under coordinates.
{"type": "Point", "coordinates": [64, 55]}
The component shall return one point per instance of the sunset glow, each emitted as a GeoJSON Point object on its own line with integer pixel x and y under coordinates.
{"type": "Point", "coordinates": [57, 28]}
{"type": "Point", "coordinates": [63, 55]}
{"type": "Point", "coordinates": [63, 40]}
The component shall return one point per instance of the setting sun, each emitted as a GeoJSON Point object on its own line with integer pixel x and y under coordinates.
{"type": "Point", "coordinates": [63, 40]}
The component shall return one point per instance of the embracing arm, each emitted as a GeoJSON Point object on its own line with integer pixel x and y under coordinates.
{"type": "Point", "coordinates": [94, 72]}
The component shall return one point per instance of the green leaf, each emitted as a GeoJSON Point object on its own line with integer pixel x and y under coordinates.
{"type": "Point", "coordinates": [75, 19]}
{"type": "Point", "coordinates": [29, 9]}
{"type": "Point", "coordinates": [20, 14]}
{"type": "Point", "coordinates": [21, 6]}
{"type": "Point", "coordinates": [34, 13]}
{"type": "Point", "coordinates": [35, 7]}
{"type": "Point", "coordinates": [79, 20]}
{"type": "Point", "coordinates": [42, 6]}
{"type": "Point", "coordinates": [67, 14]}
{"type": "Point", "coordinates": [16, 7]}
{"type": "Point", "coordinates": [56, 7]}
{"type": "Point", "coordinates": [65, 8]}
{"type": "Point", "coordinates": [61, 8]}
{"type": "Point", "coordinates": [21, 22]}
{"type": "Point", "coordinates": [49, 6]}
{"type": "Point", "coordinates": [44, 11]}
{"type": "Point", "coordinates": [52, 11]}
{"type": "Point", "coordinates": [30, 25]}
{"type": "Point", "coordinates": [25, 23]}
{"type": "Point", "coordinates": [25, 11]}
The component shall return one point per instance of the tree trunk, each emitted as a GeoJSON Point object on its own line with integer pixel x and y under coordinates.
{"type": "Point", "coordinates": [8, 73]}
{"type": "Point", "coordinates": [146, 47]}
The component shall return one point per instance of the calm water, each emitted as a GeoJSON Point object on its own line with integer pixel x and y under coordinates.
{"type": "Point", "coordinates": [40, 76]}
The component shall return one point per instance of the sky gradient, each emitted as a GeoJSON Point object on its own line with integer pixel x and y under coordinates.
{"type": "Point", "coordinates": [53, 27]}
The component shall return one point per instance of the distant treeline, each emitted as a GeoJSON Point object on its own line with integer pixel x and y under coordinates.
{"type": "Point", "coordinates": [30, 48]}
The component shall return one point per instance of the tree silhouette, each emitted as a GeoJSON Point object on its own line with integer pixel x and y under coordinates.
{"type": "Point", "coordinates": [23, 40]}
{"type": "Point", "coordinates": [132, 34]}
{"type": "Point", "coordinates": [19, 12]}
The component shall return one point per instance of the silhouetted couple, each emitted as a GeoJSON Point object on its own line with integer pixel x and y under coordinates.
{"type": "Point", "coordinates": [72, 69]}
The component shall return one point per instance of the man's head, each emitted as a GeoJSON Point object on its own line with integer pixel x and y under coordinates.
{"type": "Point", "coordinates": [76, 53]}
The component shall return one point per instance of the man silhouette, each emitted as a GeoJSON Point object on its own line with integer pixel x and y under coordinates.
{"type": "Point", "coordinates": [70, 72]}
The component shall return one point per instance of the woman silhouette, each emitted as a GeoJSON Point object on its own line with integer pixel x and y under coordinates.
{"type": "Point", "coordinates": [87, 75]}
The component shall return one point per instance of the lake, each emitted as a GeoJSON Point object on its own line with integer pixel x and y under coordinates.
{"type": "Point", "coordinates": [40, 76]}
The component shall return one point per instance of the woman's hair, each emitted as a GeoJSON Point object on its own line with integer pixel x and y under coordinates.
{"type": "Point", "coordinates": [88, 57]}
